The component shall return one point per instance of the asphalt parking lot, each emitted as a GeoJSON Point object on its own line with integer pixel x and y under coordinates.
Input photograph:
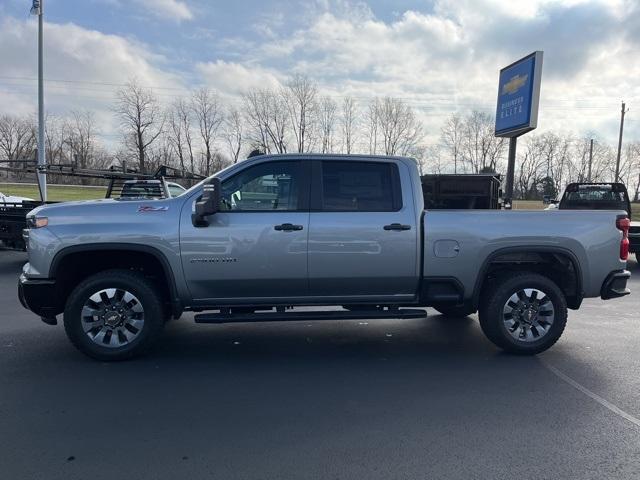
{"type": "Point", "coordinates": [388, 399]}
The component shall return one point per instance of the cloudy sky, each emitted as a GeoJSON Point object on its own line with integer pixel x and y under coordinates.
{"type": "Point", "coordinates": [440, 56]}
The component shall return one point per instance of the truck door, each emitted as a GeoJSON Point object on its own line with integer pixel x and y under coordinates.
{"type": "Point", "coordinates": [256, 246]}
{"type": "Point", "coordinates": [363, 237]}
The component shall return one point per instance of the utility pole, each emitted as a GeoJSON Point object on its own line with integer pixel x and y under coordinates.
{"type": "Point", "coordinates": [622, 112]}
{"type": "Point", "coordinates": [590, 160]}
{"type": "Point", "coordinates": [36, 9]}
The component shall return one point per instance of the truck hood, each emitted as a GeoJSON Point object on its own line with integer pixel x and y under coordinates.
{"type": "Point", "coordinates": [108, 206]}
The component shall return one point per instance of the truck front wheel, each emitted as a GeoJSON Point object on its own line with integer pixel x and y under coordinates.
{"type": "Point", "coordinates": [523, 313]}
{"type": "Point", "coordinates": [114, 315]}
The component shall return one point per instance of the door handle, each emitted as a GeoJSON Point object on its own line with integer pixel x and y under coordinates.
{"type": "Point", "coordinates": [397, 226]}
{"type": "Point", "coordinates": [287, 227]}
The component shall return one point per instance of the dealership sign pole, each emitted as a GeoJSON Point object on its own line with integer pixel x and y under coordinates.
{"type": "Point", "coordinates": [517, 110]}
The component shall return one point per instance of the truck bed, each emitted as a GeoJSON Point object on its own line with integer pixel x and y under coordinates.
{"type": "Point", "coordinates": [458, 243]}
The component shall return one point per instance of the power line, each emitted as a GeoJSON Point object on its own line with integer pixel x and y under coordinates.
{"type": "Point", "coordinates": [556, 103]}
{"type": "Point", "coordinates": [109, 84]}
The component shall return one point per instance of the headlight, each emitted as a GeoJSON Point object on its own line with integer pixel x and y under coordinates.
{"type": "Point", "coordinates": [37, 222]}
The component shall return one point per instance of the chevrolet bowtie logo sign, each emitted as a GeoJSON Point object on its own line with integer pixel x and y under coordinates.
{"type": "Point", "coordinates": [515, 84]}
{"type": "Point", "coordinates": [518, 96]}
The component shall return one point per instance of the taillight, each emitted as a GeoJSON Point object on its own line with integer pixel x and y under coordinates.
{"type": "Point", "coordinates": [623, 224]}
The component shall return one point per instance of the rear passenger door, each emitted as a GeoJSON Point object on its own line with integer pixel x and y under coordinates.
{"type": "Point", "coordinates": [363, 237]}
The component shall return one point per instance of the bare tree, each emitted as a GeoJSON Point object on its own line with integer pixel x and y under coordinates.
{"type": "Point", "coordinates": [266, 117]}
{"type": "Point", "coordinates": [348, 124]}
{"type": "Point", "coordinates": [577, 166]}
{"type": "Point", "coordinates": [17, 138]}
{"type": "Point", "coordinates": [400, 129]}
{"type": "Point", "coordinates": [327, 120]}
{"type": "Point", "coordinates": [183, 113]}
{"type": "Point", "coordinates": [481, 149]}
{"type": "Point", "coordinates": [81, 133]}
{"type": "Point", "coordinates": [141, 118]}
{"type": "Point", "coordinates": [372, 119]}
{"type": "Point", "coordinates": [162, 152]}
{"type": "Point", "coordinates": [634, 151]}
{"type": "Point", "coordinates": [300, 98]}
{"type": "Point", "coordinates": [451, 138]}
{"type": "Point", "coordinates": [179, 133]}
{"type": "Point", "coordinates": [529, 169]}
{"type": "Point", "coordinates": [55, 139]}
{"type": "Point", "coordinates": [209, 115]}
{"type": "Point", "coordinates": [234, 133]}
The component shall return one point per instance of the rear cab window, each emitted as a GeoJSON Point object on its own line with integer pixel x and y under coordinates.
{"type": "Point", "coordinates": [356, 186]}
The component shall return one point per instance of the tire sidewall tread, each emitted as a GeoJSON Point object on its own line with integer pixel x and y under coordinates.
{"type": "Point", "coordinates": [497, 294]}
{"type": "Point", "coordinates": [134, 282]}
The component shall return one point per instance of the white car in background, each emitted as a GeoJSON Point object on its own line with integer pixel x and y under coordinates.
{"type": "Point", "coordinates": [13, 199]}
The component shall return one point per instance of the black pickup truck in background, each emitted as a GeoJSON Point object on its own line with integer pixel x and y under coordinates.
{"type": "Point", "coordinates": [602, 196]}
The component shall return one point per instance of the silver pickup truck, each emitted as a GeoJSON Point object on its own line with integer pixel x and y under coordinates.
{"type": "Point", "coordinates": [278, 232]}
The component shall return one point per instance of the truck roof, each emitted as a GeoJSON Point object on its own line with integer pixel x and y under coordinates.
{"type": "Point", "coordinates": [330, 156]}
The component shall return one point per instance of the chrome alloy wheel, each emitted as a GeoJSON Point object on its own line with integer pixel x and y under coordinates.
{"type": "Point", "coordinates": [528, 315]}
{"type": "Point", "coordinates": [112, 317]}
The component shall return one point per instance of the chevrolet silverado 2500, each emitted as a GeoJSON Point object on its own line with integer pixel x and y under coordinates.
{"type": "Point", "coordinates": [276, 232]}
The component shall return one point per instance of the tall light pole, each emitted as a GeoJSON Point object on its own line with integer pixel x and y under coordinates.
{"type": "Point", "coordinates": [622, 112]}
{"type": "Point", "coordinates": [36, 9]}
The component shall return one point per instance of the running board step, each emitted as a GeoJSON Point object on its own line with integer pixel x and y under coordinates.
{"type": "Point", "coordinates": [302, 316]}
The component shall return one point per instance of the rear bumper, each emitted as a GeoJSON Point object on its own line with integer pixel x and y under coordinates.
{"type": "Point", "coordinates": [615, 285]}
{"type": "Point", "coordinates": [41, 297]}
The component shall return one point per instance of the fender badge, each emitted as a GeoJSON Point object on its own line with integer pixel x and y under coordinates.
{"type": "Point", "coordinates": [149, 208]}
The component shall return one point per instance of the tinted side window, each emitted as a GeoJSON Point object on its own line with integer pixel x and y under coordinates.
{"type": "Point", "coordinates": [360, 187]}
{"type": "Point", "coordinates": [267, 186]}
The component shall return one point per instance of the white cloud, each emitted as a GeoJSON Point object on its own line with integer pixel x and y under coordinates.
{"type": "Point", "coordinates": [90, 64]}
{"type": "Point", "coordinates": [448, 60]}
{"type": "Point", "coordinates": [231, 78]}
{"type": "Point", "coordinates": [169, 9]}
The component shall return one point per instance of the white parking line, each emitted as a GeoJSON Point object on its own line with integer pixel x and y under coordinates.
{"type": "Point", "coordinates": [593, 396]}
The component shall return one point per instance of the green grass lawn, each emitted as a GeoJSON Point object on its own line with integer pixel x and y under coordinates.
{"type": "Point", "coordinates": [55, 193]}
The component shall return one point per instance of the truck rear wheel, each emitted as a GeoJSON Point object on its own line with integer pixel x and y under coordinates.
{"type": "Point", "coordinates": [523, 313]}
{"type": "Point", "coordinates": [114, 315]}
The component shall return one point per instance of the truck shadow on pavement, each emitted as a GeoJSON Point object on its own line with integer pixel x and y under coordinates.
{"type": "Point", "coordinates": [435, 340]}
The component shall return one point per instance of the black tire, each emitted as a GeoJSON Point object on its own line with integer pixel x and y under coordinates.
{"type": "Point", "coordinates": [493, 317]}
{"type": "Point", "coordinates": [455, 311]}
{"type": "Point", "coordinates": [146, 297]}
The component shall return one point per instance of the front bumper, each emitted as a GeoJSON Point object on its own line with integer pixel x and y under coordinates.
{"type": "Point", "coordinates": [41, 297]}
{"type": "Point", "coordinates": [615, 285]}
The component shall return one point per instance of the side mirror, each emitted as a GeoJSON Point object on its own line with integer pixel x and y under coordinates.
{"type": "Point", "coordinates": [209, 204]}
